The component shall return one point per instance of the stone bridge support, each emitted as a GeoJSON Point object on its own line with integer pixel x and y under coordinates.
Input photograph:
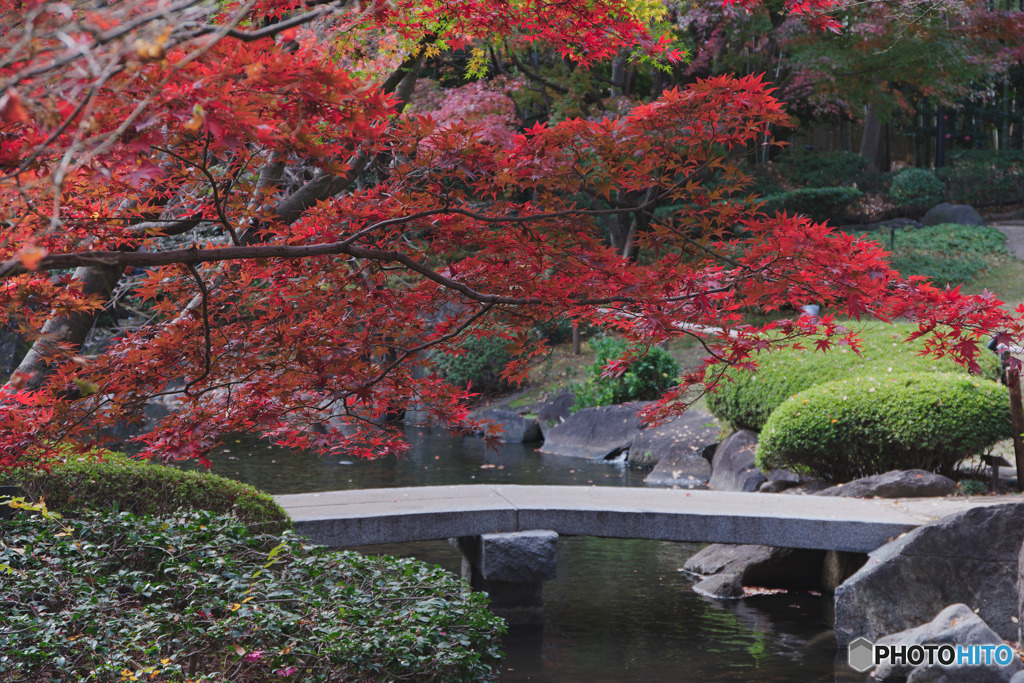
{"type": "Point", "coordinates": [511, 568]}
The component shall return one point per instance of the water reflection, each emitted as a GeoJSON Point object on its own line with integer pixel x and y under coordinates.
{"type": "Point", "coordinates": [620, 610]}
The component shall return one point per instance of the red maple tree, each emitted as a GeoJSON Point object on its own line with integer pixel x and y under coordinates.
{"type": "Point", "coordinates": [243, 179]}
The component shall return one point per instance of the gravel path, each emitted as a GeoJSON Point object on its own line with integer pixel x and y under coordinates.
{"type": "Point", "coordinates": [1014, 231]}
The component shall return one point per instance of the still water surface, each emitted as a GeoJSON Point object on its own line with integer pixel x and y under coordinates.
{"type": "Point", "coordinates": [620, 610]}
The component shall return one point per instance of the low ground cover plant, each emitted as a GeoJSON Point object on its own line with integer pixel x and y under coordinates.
{"type": "Point", "coordinates": [746, 398]}
{"type": "Point", "coordinates": [111, 596]}
{"type": "Point", "coordinates": [105, 480]}
{"type": "Point", "coordinates": [947, 253]}
{"type": "Point", "coordinates": [646, 379]}
{"type": "Point", "coordinates": [871, 424]}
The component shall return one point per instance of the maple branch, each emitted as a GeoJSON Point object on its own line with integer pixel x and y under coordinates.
{"type": "Point", "coordinates": [206, 329]}
{"type": "Point", "coordinates": [272, 29]}
{"type": "Point", "coordinates": [534, 76]}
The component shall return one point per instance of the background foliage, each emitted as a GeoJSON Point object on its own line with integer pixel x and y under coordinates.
{"type": "Point", "coordinates": [646, 378]}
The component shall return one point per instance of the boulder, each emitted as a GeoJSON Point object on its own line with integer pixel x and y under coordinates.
{"type": "Point", "coordinates": [808, 488]}
{"type": "Point", "coordinates": [595, 433]}
{"type": "Point", "coordinates": [733, 468]}
{"type": "Point", "coordinates": [722, 586]}
{"type": "Point", "coordinates": [970, 557]}
{"type": "Point", "coordinates": [690, 433]}
{"type": "Point", "coordinates": [515, 428]}
{"type": "Point", "coordinates": [954, 625]}
{"type": "Point", "coordinates": [554, 411]}
{"type": "Point", "coordinates": [680, 470]}
{"type": "Point", "coordinates": [760, 565]}
{"type": "Point", "coordinates": [962, 214]}
{"type": "Point", "coordinates": [895, 484]}
{"type": "Point", "coordinates": [777, 486]}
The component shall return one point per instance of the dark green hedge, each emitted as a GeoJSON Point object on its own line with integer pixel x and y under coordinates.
{"type": "Point", "coordinates": [748, 400]}
{"type": "Point", "coordinates": [196, 597]}
{"type": "Point", "coordinates": [116, 482]}
{"type": "Point", "coordinates": [832, 169]}
{"type": "Point", "coordinates": [986, 177]}
{"type": "Point", "coordinates": [868, 425]}
{"type": "Point", "coordinates": [817, 203]}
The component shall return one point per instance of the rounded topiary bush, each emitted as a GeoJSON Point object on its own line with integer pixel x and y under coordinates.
{"type": "Point", "coordinates": [195, 597]}
{"type": "Point", "coordinates": [916, 189]}
{"type": "Point", "coordinates": [746, 398]}
{"type": "Point", "coordinates": [871, 424]}
{"type": "Point", "coordinates": [104, 480]}
{"type": "Point", "coordinates": [646, 379]}
{"type": "Point", "coordinates": [477, 363]}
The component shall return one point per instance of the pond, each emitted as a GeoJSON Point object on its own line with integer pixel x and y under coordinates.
{"type": "Point", "coordinates": [620, 610]}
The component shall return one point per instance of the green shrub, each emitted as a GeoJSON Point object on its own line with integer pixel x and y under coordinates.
{"type": "Point", "coordinates": [973, 487]}
{"type": "Point", "coordinates": [748, 400]}
{"type": "Point", "coordinates": [947, 253]}
{"type": "Point", "coordinates": [817, 203]}
{"type": "Point", "coordinates": [116, 597]}
{"type": "Point", "coordinates": [982, 178]}
{"type": "Point", "coordinates": [478, 364]}
{"type": "Point", "coordinates": [871, 424]}
{"type": "Point", "coordinates": [645, 380]}
{"type": "Point", "coordinates": [120, 483]}
{"type": "Point", "coordinates": [832, 169]}
{"type": "Point", "coordinates": [916, 190]}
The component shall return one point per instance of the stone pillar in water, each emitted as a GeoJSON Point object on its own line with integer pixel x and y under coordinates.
{"type": "Point", "coordinates": [511, 569]}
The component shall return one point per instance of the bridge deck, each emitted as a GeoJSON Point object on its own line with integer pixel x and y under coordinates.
{"type": "Point", "coordinates": [396, 515]}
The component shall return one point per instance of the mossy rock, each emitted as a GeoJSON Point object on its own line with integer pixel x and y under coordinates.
{"type": "Point", "coordinates": [750, 397]}
{"type": "Point", "coordinates": [104, 480]}
{"type": "Point", "coordinates": [868, 425]}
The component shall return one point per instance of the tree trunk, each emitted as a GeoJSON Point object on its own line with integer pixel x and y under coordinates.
{"type": "Point", "coordinates": [67, 329]}
{"type": "Point", "coordinates": [869, 143]}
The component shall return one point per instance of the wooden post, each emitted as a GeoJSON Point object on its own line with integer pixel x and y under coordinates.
{"type": "Point", "coordinates": [1016, 423]}
{"type": "Point", "coordinates": [576, 341]}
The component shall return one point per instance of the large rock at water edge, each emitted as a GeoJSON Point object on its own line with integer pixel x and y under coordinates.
{"type": "Point", "coordinates": [681, 470]}
{"type": "Point", "coordinates": [955, 625]}
{"type": "Point", "coordinates": [721, 586]}
{"type": "Point", "coordinates": [515, 428]}
{"type": "Point", "coordinates": [895, 484]}
{"type": "Point", "coordinates": [554, 411]}
{"type": "Point", "coordinates": [688, 434]}
{"type": "Point", "coordinates": [760, 565]}
{"type": "Point", "coordinates": [970, 557]}
{"type": "Point", "coordinates": [595, 433]}
{"type": "Point", "coordinates": [961, 214]}
{"type": "Point", "coordinates": [733, 468]}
